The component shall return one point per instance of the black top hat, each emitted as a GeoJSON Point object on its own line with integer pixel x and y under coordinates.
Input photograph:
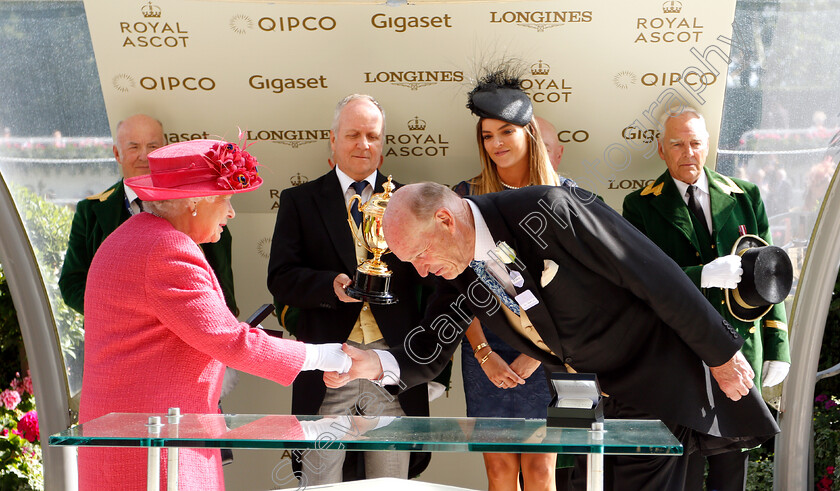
{"type": "Point", "coordinates": [767, 278]}
{"type": "Point", "coordinates": [498, 95]}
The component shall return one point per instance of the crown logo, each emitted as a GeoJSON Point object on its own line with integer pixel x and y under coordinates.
{"type": "Point", "coordinates": [540, 68]}
{"type": "Point", "coordinates": [150, 10]}
{"type": "Point", "coordinates": [672, 7]}
{"type": "Point", "coordinates": [298, 179]}
{"type": "Point", "coordinates": [416, 124]}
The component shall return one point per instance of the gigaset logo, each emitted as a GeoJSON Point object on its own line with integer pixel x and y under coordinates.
{"type": "Point", "coordinates": [416, 143]}
{"type": "Point", "coordinates": [540, 20]}
{"type": "Point", "coordinates": [414, 79]}
{"type": "Point", "coordinates": [403, 24]}
{"type": "Point", "coordinates": [279, 84]}
{"type": "Point", "coordinates": [669, 28]}
{"type": "Point", "coordinates": [151, 32]}
{"type": "Point", "coordinates": [646, 136]}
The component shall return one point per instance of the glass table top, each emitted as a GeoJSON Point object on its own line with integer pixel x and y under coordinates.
{"type": "Point", "coordinates": [640, 437]}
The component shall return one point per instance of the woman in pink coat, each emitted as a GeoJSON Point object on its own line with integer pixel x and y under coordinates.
{"type": "Point", "coordinates": [158, 333]}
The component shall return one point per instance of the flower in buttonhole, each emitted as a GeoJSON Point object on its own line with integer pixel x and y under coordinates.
{"type": "Point", "coordinates": [28, 425]}
{"type": "Point", "coordinates": [10, 399]}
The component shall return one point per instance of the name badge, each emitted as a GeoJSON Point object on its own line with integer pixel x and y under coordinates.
{"type": "Point", "coordinates": [526, 299]}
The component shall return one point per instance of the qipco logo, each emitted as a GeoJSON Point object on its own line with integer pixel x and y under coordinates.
{"type": "Point", "coordinates": [178, 83]}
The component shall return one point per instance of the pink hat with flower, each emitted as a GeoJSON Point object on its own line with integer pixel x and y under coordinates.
{"type": "Point", "coordinates": [196, 168]}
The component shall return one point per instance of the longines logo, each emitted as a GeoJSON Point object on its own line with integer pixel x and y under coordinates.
{"type": "Point", "coordinates": [125, 82]}
{"type": "Point", "coordinates": [542, 88]}
{"type": "Point", "coordinates": [291, 137]}
{"type": "Point", "coordinates": [242, 24]}
{"type": "Point", "coordinates": [540, 20]}
{"type": "Point", "coordinates": [630, 183]}
{"type": "Point", "coordinates": [414, 79]}
{"type": "Point", "coordinates": [624, 79]}
{"type": "Point", "coordinates": [670, 27]}
{"type": "Point", "coordinates": [151, 32]}
{"type": "Point", "coordinates": [416, 142]}
{"type": "Point", "coordinates": [278, 85]}
{"type": "Point", "coordinates": [403, 24]}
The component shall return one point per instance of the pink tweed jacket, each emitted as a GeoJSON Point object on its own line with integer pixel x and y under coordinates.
{"type": "Point", "coordinates": [158, 335]}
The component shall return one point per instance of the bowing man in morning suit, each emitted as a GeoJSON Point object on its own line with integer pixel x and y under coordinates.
{"type": "Point", "coordinates": [595, 295]}
{"type": "Point", "coordinates": [99, 215]}
{"type": "Point", "coordinates": [701, 244]}
{"type": "Point", "coordinates": [313, 257]}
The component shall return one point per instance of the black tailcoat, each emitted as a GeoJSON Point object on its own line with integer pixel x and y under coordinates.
{"type": "Point", "coordinates": [617, 306]}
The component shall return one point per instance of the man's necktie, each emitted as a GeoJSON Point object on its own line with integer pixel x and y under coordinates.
{"type": "Point", "coordinates": [359, 187]}
{"type": "Point", "coordinates": [694, 206]}
{"type": "Point", "coordinates": [480, 269]}
{"type": "Point", "coordinates": [139, 203]}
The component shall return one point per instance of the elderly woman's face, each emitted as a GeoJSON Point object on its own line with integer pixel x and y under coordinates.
{"type": "Point", "coordinates": [210, 217]}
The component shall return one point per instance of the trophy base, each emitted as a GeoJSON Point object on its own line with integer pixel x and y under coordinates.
{"type": "Point", "coordinates": [372, 289]}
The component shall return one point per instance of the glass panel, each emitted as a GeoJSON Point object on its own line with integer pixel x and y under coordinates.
{"type": "Point", "coordinates": [641, 437]}
{"type": "Point", "coordinates": [52, 104]}
{"type": "Point", "coordinates": [781, 112]}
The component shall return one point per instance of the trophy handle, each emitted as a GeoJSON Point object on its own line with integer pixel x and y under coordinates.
{"type": "Point", "coordinates": [353, 222]}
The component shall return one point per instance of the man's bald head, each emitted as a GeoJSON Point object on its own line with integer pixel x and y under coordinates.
{"type": "Point", "coordinates": [136, 136]}
{"type": "Point", "coordinates": [430, 226]}
{"type": "Point", "coordinates": [548, 133]}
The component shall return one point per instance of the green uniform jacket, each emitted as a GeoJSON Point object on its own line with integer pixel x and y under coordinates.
{"type": "Point", "coordinates": [99, 215]}
{"type": "Point", "coordinates": [660, 212]}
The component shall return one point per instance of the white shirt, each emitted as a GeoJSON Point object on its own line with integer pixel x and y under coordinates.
{"type": "Point", "coordinates": [345, 181]}
{"type": "Point", "coordinates": [130, 195]}
{"type": "Point", "coordinates": [702, 195]}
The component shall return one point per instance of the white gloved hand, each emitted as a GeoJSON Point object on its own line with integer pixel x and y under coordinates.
{"type": "Point", "coordinates": [723, 272]}
{"type": "Point", "coordinates": [327, 357]}
{"type": "Point", "coordinates": [774, 372]}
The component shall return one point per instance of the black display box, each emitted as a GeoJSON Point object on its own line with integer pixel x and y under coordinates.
{"type": "Point", "coordinates": [577, 401]}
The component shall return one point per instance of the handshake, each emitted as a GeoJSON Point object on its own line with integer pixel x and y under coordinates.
{"type": "Point", "coordinates": [326, 357]}
{"type": "Point", "coordinates": [723, 272]}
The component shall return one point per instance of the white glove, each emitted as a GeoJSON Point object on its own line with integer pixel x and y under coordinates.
{"type": "Point", "coordinates": [723, 272]}
{"type": "Point", "coordinates": [436, 389]}
{"type": "Point", "coordinates": [327, 357]}
{"type": "Point", "coordinates": [774, 372]}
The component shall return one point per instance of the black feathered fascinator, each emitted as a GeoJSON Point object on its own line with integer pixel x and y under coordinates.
{"type": "Point", "coordinates": [497, 95]}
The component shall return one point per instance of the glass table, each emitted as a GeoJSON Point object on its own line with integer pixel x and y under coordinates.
{"type": "Point", "coordinates": [253, 431]}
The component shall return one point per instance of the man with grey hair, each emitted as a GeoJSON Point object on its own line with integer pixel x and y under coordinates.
{"type": "Point", "coordinates": [313, 258]}
{"type": "Point", "coordinates": [578, 288]}
{"type": "Point", "coordinates": [98, 215]}
{"type": "Point", "coordinates": [696, 215]}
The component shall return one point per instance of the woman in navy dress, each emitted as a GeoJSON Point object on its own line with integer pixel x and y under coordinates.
{"type": "Point", "coordinates": [498, 380]}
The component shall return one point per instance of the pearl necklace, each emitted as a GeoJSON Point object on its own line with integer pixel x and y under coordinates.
{"type": "Point", "coordinates": [508, 186]}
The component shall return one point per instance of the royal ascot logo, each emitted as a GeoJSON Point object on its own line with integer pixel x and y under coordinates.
{"type": "Point", "coordinates": [624, 79]}
{"type": "Point", "coordinates": [297, 179]}
{"type": "Point", "coordinates": [291, 137]}
{"type": "Point", "coordinates": [541, 20]}
{"type": "Point", "coordinates": [264, 247]}
{"type": "Point", "coordinates": [404, 24]}
{"type": "Point", "coordinates": [241, 24]}
{"type": "Point", "coordinates": [416, 142]}
{"type": "Point", "coordinates": [151, 32]}
{"type": "Point", "coordinates": [123, 82]}
{"type": "Point", "coordinates": [278, 85]}
{"type": "Point", "coordinates": [542, 88]}
{"type": "Point", "coordinates": [414, 79]}
{"type": "Point", "coordinates": [672, 7]}
{"type": "Point", "coordinates": [670, 27]}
